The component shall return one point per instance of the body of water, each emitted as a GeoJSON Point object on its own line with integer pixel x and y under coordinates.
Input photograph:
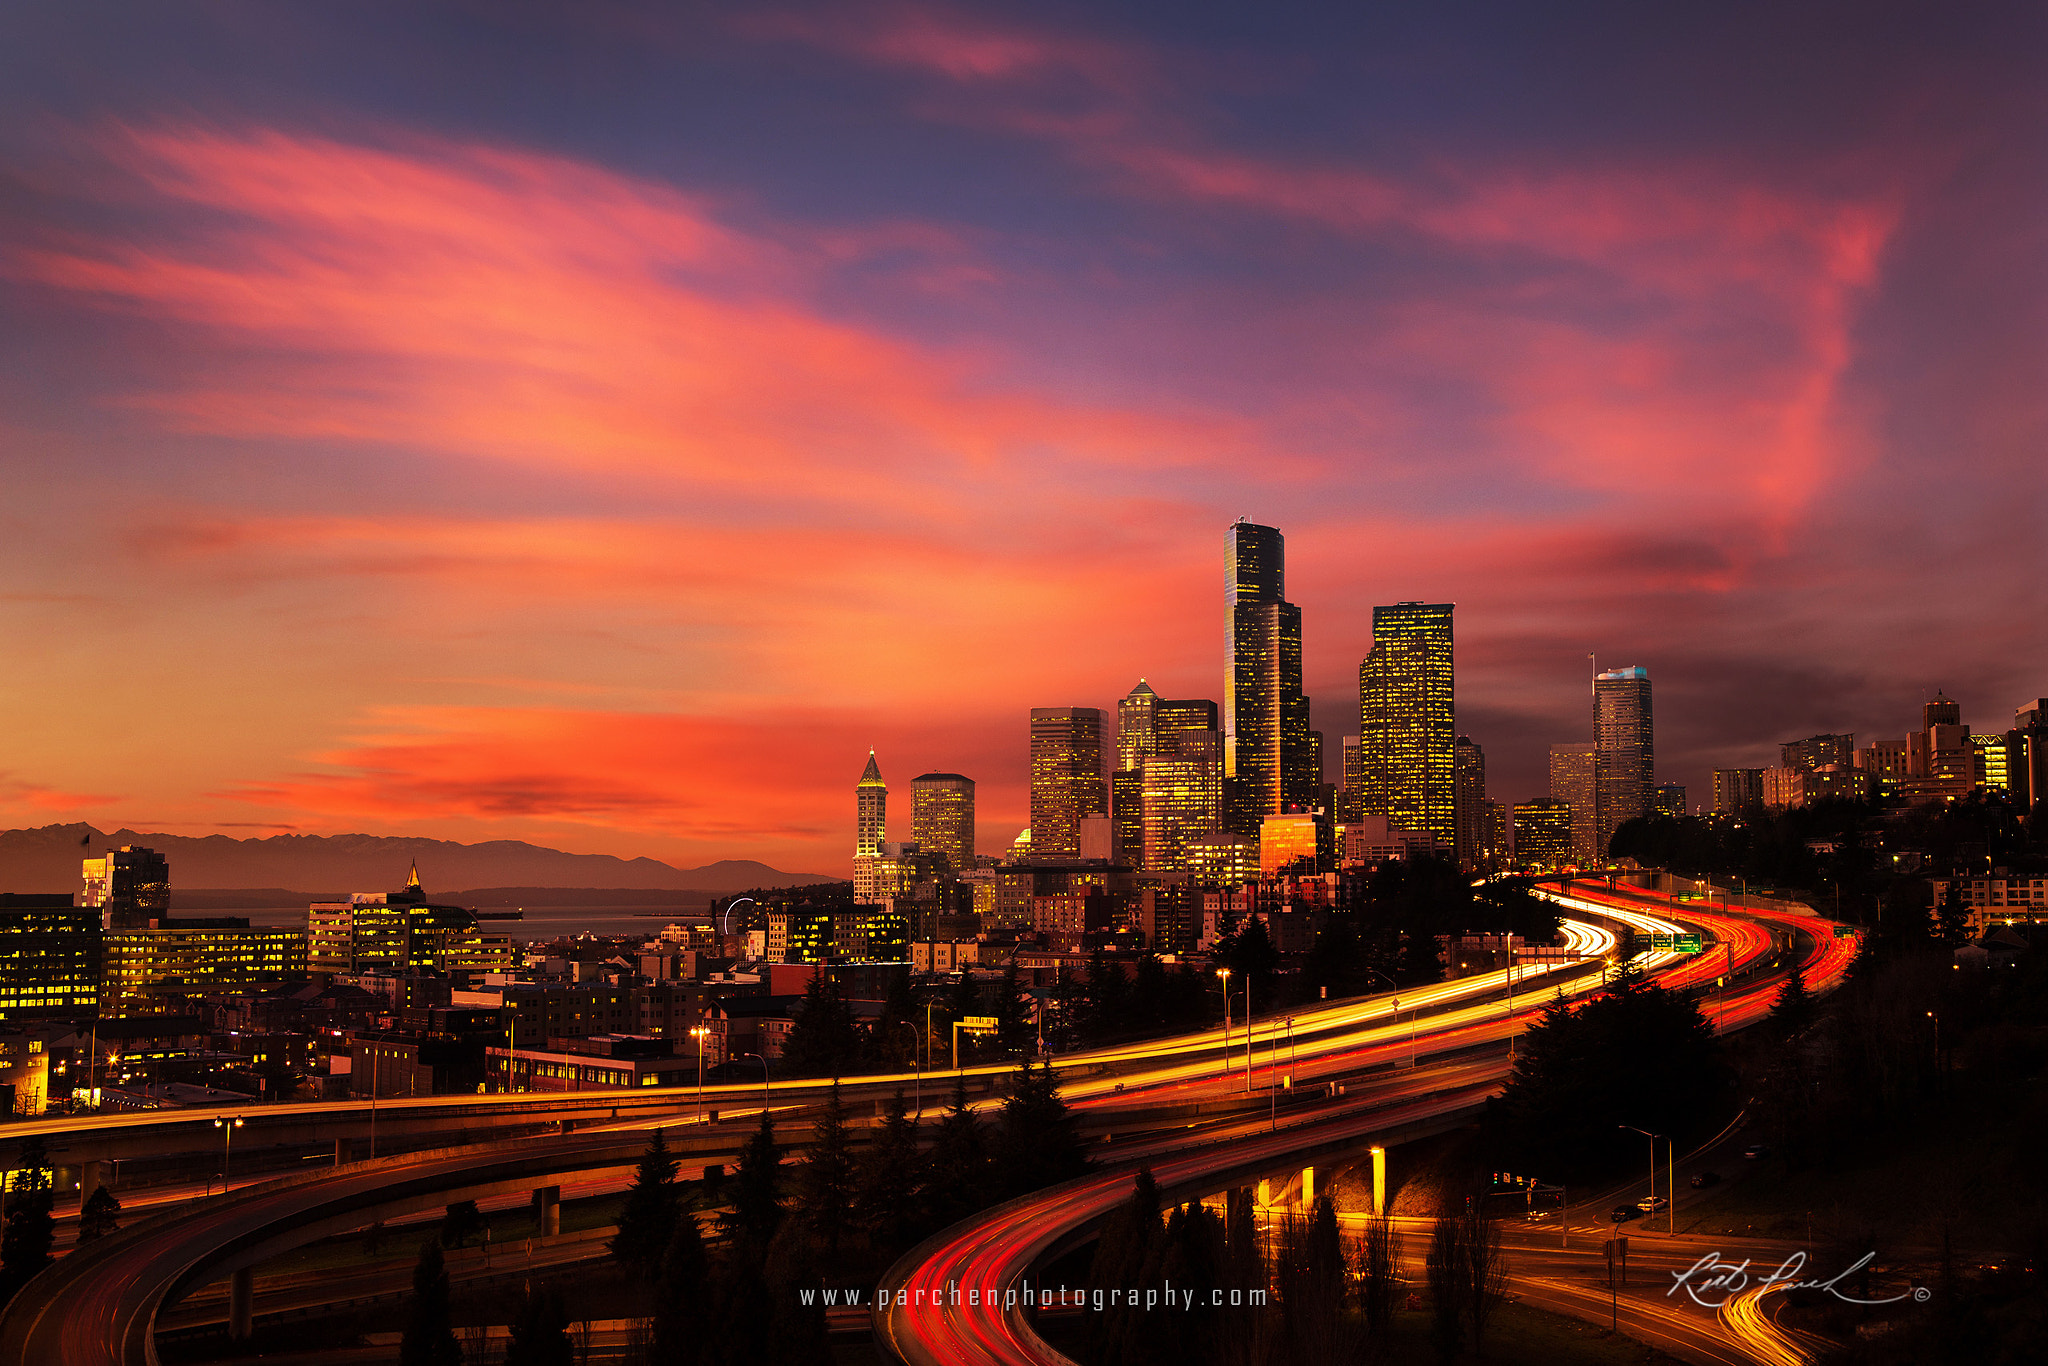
{"type": "Point", "coordinates": [543, 923]}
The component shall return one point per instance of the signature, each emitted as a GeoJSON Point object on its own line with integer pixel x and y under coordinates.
{"type": "Point", "coordinates": [1712, 1282]}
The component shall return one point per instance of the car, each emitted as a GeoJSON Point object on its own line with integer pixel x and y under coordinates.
{"type": "Point", "coordinates": [1652, 1204]}
{"type": "Point", "coordinates": [1623, 1213]}
{"type": "Point", "coordinates": [1755, 1151]}
{"type": "Point", "coordinates": [1705, 1179]}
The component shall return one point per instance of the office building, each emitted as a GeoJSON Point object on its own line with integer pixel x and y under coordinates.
{"type": "Point", "coordinates": [1224, 860]}
{"type": "Point", "coordinates": [1571, 783]}
{"type": "Point", "coordinates": [1736, 790]}
{"type": "Point", "coordinates": [1624, 754]}
{"type": "Point", "coordinates": [1168, 787]}
{"type": "Point", "coordinates": [2028, 752]}
{"type": "Point", "coordinates": [1817, 751]}
{"type": "Point", "coordinates": [1351, 792]}
{"type": "Point", "coordinates": [1784, 788]}
{"type": "Point", "coordinates": [1067, 780]}
{"type": "Point", "coordinates": [1269, 759]}
{"type": "Point", "coordinates": [49, 957]}
{"type": "Point", "coordinates": [1287, 840]}
{"type": "Point", "coordinates": [871, 811]}
{"type": "Point", "coordinates": [130, 887]}
{"type": "Point", "coordinates": [1883, 759]}
{"type": "Point", "coordinates": [1994, 763]}
{"type": "Point", "coordinates": [1408, 720]}
{"type": "Point", "coordinates": [1670, 800]}
{"type": "Point", "coordinates": [1374, 840]}
{"type": "Point", "coordinates": [158, 969]}
{"type": "Point", "coordinates": [400, 931]}
{"type": "Point", "coordinates": [1941, 763]}
{"type": "Point", "coordinates": [1469, 767]}
{"type": "Point", "coordinates": [942, 817]}
{"type": "Point", "coordinates": [1498, 847]}
{"type": "Point", "coordinates": [1546, 834]}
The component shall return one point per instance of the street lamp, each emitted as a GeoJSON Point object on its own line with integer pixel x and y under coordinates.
{"type": "Point", "coordinates": [1224, 973]}
{"type": "Point", "coordinates": [227, 1129]}
{"type": "Point", "coordinates": [1670, 1205]}
{"type": "Point", "coordinates": [698, 1032]}
{"type": "Point", "coordinates": [764, 1075]}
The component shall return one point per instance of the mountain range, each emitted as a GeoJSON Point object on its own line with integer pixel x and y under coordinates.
{"type": "Point", "coordinates": [46, 859]}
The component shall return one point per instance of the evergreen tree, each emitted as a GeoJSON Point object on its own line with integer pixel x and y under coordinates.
{"type": "Point", "coordinates": [1036, 1143]}
{"type": "Point", "coordinates": [1127, 1243]}
{"type": "Point", "coordinates": [1421, 961]}
{"type": "Point", "coordinates": [461, 1222]}
{"type": "Point", "coordinates": [1192, 1259]}
{"type": "Point", "coordinates": [1448, 1272]}
{"type": "Point", "coordinates": [100, 1215]}
{"type": "Point", "coordinates": [429, 1339]}
{"type": "Point", "coordinates": [823, 1039]}
{"type": "Point", "coordinates": [648, 1220]}
{"type": "Point", "coordinates": [25, 1243]}
{"type": "Point", "coordinates": [960, 1178]}
{"type": "Point", "coordinates": [1252, 960]}
{"type": "Point", "coordinates": [742, 1304]}
{"type": "Point", "coordinates": [797, 1332]}
{"type": "Point", "coordinates": [1012, 1011]}
{"type": "Point", "coordinates": [1792, 1012]}
{"type": "Point", "coordinates": [1243, 1335]}
{"type": "Point", "coordinates": [895, 1040]}
{"type": "Point", "coordinates": [540, 1333]}
{"type": "Point", "coordinates": [825, 1183]}
{"type": "Point", "coordinates": [1312, 1276]}
{"type": "Point", "coordinates": [680, 1298]}
{"type": "Point", "coordinates": [887, 1203]}
{"type": "Point", "coordinates": [1109, 996]}
{"type": "Point", "coordinates": [756, 1204]}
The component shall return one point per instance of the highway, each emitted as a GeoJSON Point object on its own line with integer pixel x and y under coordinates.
{"type": "Point", "coordinates": [999, 1248]}
{"type": "Point", "coordinates": [97, 1307]}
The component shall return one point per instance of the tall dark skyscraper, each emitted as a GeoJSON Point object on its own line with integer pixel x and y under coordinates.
{"type": "Point", "coordinates": [1269, 759]}
{"type": "Point", "coordinates": [1470, 768]}
{"type": "Point", "coordinates": [1624, 756]}
{"type": "Point", "coordinates": [1408, 724]}
{"type": "Point", "coordinates": [1066, 777]}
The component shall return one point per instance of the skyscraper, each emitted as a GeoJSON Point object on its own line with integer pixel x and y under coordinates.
{"type": "Point", "coordinates": [130, 887]}
{"type": "Point", "coordinates": [1269, 761]}
{"type": "Point", "coordinates": [1408, 720]}
{"type": "Point", "coordinates": [1066, 777]}
{"type": "Point", "coordinates": [871, 805]}
{"type": "Point", "coordinates": [1351, 792]}
{"type": "Point", "coordinates": [1469, 766]}
{"type": "Point", "coordinates": [1736, 790]}
{"type": "Point", "coordinates": [1624, 757]}
{"type": "Point", "coordinates": [1168, 787]}
{"type": "Point", "coordinates": [1571, 782]}
{"type": "Point", "coordinates": [942, 817]}
{"type": "Point", "coordinates": [1545, 832]}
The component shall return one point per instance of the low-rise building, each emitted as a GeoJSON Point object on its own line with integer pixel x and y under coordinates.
{"type": "Point", "coordinates": [604, 1062]}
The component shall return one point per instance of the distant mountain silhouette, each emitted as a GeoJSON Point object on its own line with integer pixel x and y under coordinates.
{"type": "Point", "coordinates": [46, 859]}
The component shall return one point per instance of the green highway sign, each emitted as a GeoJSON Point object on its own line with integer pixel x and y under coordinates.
{"type": "Point", "coordinates": [978, 1022]}
{"type": "Point", "coordinates": [1660, 941]}
{"type": "Point", "coordinates": [1688, 943]}
{"type": "Point", "coordinates": [1845, 931]}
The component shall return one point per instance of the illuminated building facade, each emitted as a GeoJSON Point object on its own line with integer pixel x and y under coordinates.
{"type": "Point", "coordinates": [1408, 720]}
{"type": "Point", "coordinates": [1225, 860]}
{"type": "Point", "coordinates": [1571, 782]}
{"type": "Point", "coordinates": [130, 887]}
{"type": "Point", "coordinates": [1670, 800]}
{"type": "Point", "coordinates": [1067, 780]}
{"type": "Point", "coordinates": [1168, 787]}
{"type": "Point", "coordinates": [152, 971]}
{"type": "Point", "coordinates": [1269, 758]}
{"type": "Point", "coordinates": [398, 932]}
{"type": "Point", "coordinates": [1625, 757]}
{"type": "Point", "coordinates": [871, 806]}
{"type": "Point", "coordinates": [1351, 791]}
{"type": "Point", "coordinates": [1736, 790]}
{"type": "Point", "coordinates": [1546, 836]}
{"type": "Point", "coordinates": [1817, 751]}
{"type": "Point", "coordinates": [942, 817]}
{"type": "Point", "coordinates": [49, 957]}
{"type": "Point", "coordinates": [1286, 840]}
{"type": "Point", "coordinates": [1469, 768]}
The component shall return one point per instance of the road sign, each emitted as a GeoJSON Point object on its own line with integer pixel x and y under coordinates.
{"type": "Point", "coordinates": [978, 1022]}
{"type": "Point", "coordinates": [1845, 931]}
{"type": "Point", "coordinates": [1660, 941]}
{"type": "Point", "coordinates": [1688, 943]}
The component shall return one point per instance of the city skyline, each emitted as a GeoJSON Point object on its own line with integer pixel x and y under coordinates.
{"type": "Point", "coordinates": [602, 459]}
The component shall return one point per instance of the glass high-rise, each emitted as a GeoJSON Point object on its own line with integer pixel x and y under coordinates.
{"type": "Point", "coordinates": [1066, 777]}
{"type": "Point", "coordinates": [1469, 766]}
{"type": "Point", "coordinates": [1624, 755]}
{"type": "Point", "coordinates": [1269, 759]}
{"type": "Point", "coordinates": [1571, 783]}
{"type": "Point", "coordinates": [942, 817]}
{"type": "Point", "coordinates": [1408, 720]}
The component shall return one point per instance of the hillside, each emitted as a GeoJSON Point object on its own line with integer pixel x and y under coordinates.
{"type": "Point", "coordinates": [46, 859]}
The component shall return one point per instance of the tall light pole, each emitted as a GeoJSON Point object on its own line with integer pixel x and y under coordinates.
{"type": "Point", "coordinates": [1653, 1165]}
{"type": "Point", "coordinates": [1224, 973]}
{"type": "Point", "coordinates": [764, 1076]}
{"type": "Point", "coordinates": [227, 1129]}
{"type": "Point", "coordinates": [1248, 1034]}
{"type": "Point", "coordinates": [698, 1032]}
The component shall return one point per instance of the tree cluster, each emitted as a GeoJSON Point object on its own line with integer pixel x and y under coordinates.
{"type": "Point", "coordinates": [1636, 1054]}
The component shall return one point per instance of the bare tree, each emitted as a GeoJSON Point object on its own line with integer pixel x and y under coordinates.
{"type": "Point", "coordinates": [1379, 1258]}
{"type": "Point", "coordinates": [1449, 1278]}
{"type": "Point", "coordinates": [1486, 1271]}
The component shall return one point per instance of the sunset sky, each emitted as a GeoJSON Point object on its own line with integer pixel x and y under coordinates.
{"type": "Point", "coordinates": [601, 424]}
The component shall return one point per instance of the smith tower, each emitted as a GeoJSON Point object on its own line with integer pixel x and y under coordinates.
{"type": "Point", "coordinates": [1408, 729]}
{"type": "Point", "coordinates": [871, 800]}
{"type": "Point", "coordinates": [1270, 757]}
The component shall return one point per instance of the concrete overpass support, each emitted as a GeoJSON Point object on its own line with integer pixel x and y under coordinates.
{"type": "Point", "coordinates": [88, 1181]}
{"type": "Point", "coordinates": [1308, 1186]}
{"type": "Point", "coordinates": [242, 1304]}
{"type": "Point", "coordinates": [344, 1152]}
{"type": "Point", "coordinates": [548, 1200]}
{"type": "Point", "coordinates": [1379, 1180]}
